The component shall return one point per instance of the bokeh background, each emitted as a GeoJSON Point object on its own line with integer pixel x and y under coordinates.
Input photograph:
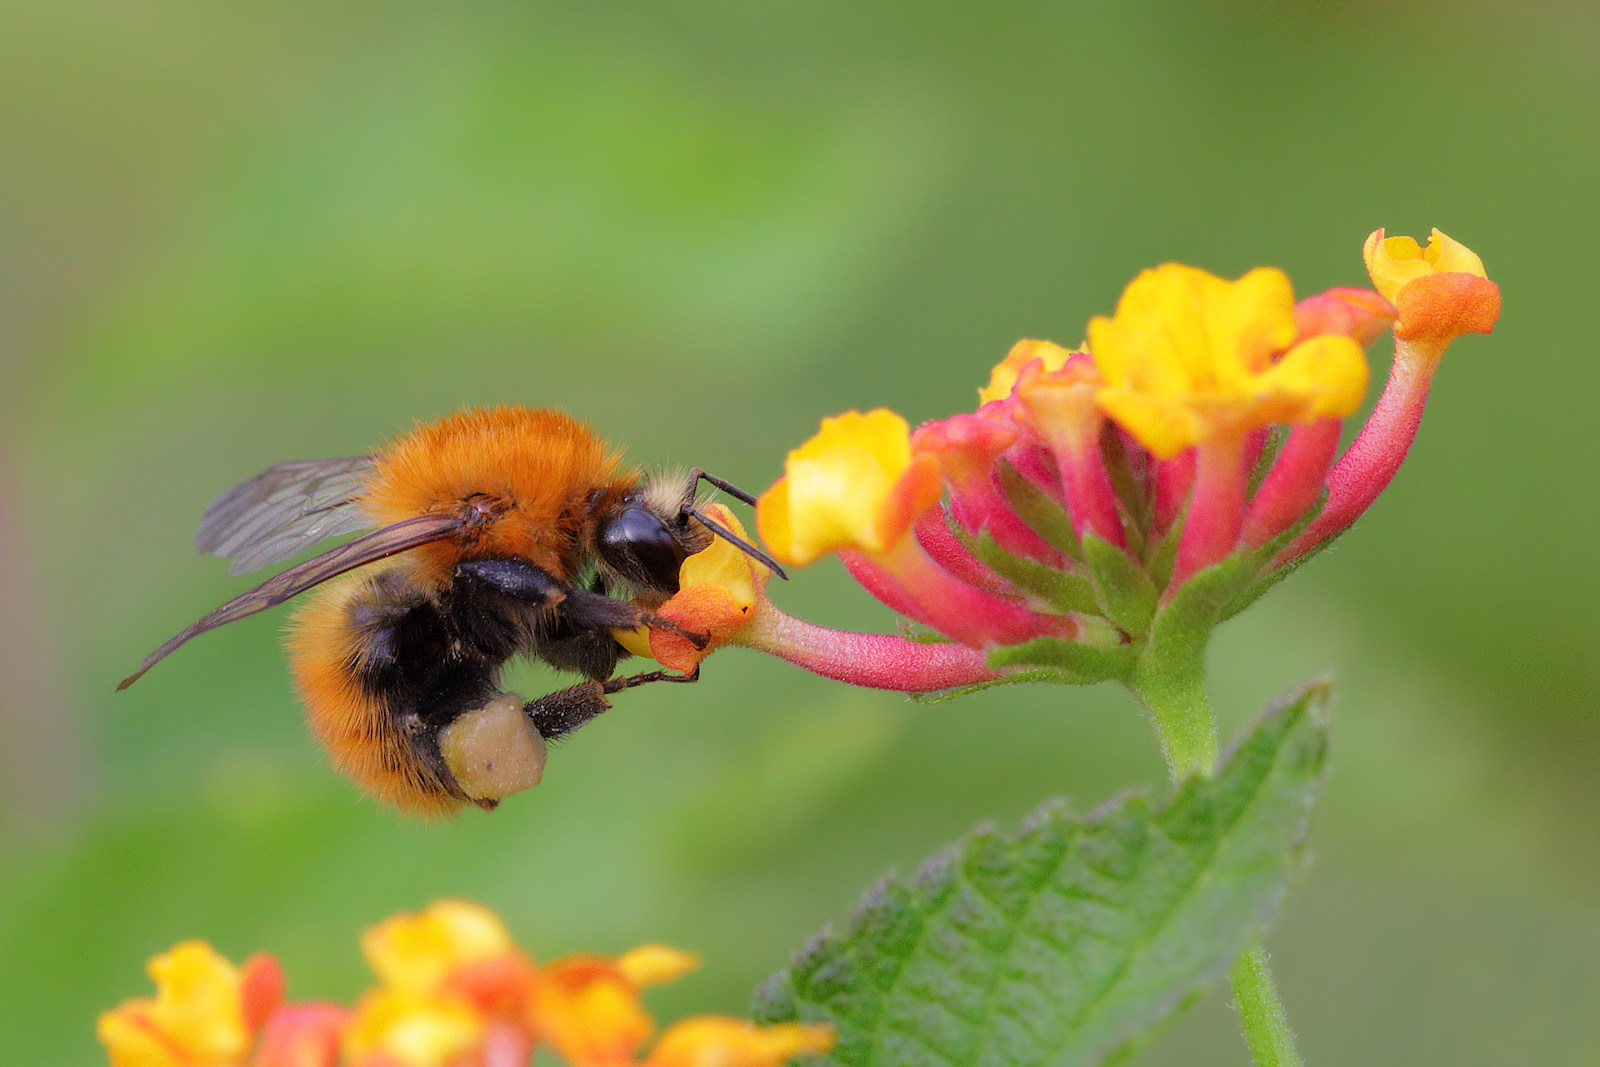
{"type": "Point", "coordinates": [235, 234]}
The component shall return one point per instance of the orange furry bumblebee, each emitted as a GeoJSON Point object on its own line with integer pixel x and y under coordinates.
{"type": "Point", "coordinates": [493, 533]}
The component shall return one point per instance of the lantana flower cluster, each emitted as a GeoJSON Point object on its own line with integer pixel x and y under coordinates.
{"type": "Point", "coordinates": [453, 991]}
{"type": "Point", "coordinates": [1106, 504]}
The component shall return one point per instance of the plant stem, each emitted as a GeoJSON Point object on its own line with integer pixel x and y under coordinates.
{"type": "Point", "coordinates": [1171, 689]}
{"type": "Point", "coordinates": [1170, 685]}
{"type": "Point", "coordinates": [1266, 1025]}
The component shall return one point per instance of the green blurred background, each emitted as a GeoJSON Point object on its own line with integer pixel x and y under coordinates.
{"type": "Point", "coordinates": [236, 234]}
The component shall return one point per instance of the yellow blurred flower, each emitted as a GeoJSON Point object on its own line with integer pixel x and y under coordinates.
{"type": "Point", "coordinates": [714, 1041]}
{"type": "Point", "coordinates": [652, 964]}
{"type": "Point", "coordinates": [398, 1027]}
{"type": "Point", "coordinates": [856, 484]}
{"type": "Point", "coordinates": [1190, 357]}
{"type": "Point", "coordinates": [419, 951]}
{"type": "Point", "coordinates": [197, 1018]}
{"type": "Point", "coordinates": [1003, 378]}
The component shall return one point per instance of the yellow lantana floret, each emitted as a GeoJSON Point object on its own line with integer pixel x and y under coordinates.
{"type": "Point", "coordinates": [197, 1015]}
{"type": "Point", "coordinates": [417, 951]}
{"type": "Point", "coordinates": [1003, 378]}
{"type": "Point", "coordinates": [1395, 262]}
{"type": "Point", "coordinates": [1190, 357]}
{"type": "Point", "coordinates": [855, 485]}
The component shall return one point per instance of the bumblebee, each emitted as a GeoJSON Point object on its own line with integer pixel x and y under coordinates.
{"type": "Point", "coordinates": [491, 533]}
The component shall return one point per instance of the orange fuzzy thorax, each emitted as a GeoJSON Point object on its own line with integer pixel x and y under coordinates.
{"type": "Point", "coordinates": [538, 466]}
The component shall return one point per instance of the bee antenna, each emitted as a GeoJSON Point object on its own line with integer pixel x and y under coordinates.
{"type": "Point", "coordinates": [696, 475]}
{"type": "Point", "coordinates": [729, 536]}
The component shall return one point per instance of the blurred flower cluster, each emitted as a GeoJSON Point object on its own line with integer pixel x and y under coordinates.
{"type": "Point", "coordinates": [1105, 505]}
{"type": "Point", "coordinates": [454, 991]}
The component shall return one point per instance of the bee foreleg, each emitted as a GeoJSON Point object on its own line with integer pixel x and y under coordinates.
{"type": "Point", "coordinates": [585, 610]}
{"type": "Point", "coordinates": [512, 578]}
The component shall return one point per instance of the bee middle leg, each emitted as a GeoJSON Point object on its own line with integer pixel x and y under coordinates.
{"type": "Point", "coordinates": [560, 713]}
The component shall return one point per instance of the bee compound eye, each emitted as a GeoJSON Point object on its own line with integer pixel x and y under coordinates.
{"type": "Point", "coordinates": [494, 751]}
{"type": "Point", "coordinates": [638, 540]}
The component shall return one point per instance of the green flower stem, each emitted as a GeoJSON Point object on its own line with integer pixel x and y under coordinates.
{"type": "Point", "coordinates": [1266, 1025]}
{"type": "Point", "coordinates": [1169, 684]}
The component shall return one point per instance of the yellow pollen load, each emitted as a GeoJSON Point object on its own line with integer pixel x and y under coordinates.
{"type": "Point", "coordinates": [1190, 357]}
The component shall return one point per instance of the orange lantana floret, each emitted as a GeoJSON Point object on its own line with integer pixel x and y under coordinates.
{"type": "Point", "coordinates": [1440, 291]}
{"type": "Point", "coordinates": [720, 588]}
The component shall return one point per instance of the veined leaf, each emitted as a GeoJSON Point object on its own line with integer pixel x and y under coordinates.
{"type": "Point", "coordinates": [1065, 943]}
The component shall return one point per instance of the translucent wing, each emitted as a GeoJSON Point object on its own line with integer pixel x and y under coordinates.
{"type": "Point", "coordinates": [284, 510]}
{"type": "Point", "coordinates": [368, 548]}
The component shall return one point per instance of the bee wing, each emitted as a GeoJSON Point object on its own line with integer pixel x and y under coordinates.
{"type": "Point", "coordinates": [368, 548]}
{"type": "Point", "coordinates": [283, 510]}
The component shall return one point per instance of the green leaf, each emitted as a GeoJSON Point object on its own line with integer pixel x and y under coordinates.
{"type": "Point", "coordinates": [1126, 594]}
{"type": "Point", "coordinates": [1065, 943]}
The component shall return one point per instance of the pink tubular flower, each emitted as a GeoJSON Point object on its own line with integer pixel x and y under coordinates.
{"type": "Point", "coordinates": [1440, 293]}
{"type": "Point", "coordinates": [1060, 408]}
{"type": "Point", "coordinates": [857, 489]}
{"type": "Point", "coordinates": [722, 593]}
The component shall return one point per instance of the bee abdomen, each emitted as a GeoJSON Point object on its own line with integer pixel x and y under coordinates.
{"type": "Point", "coordinates": [372, 658]}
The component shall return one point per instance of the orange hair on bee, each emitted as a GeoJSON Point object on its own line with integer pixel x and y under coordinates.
{"type": "Point", "coordinates": [538, 465]}
{"type": "Point", "coordinates": [361, 738]}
